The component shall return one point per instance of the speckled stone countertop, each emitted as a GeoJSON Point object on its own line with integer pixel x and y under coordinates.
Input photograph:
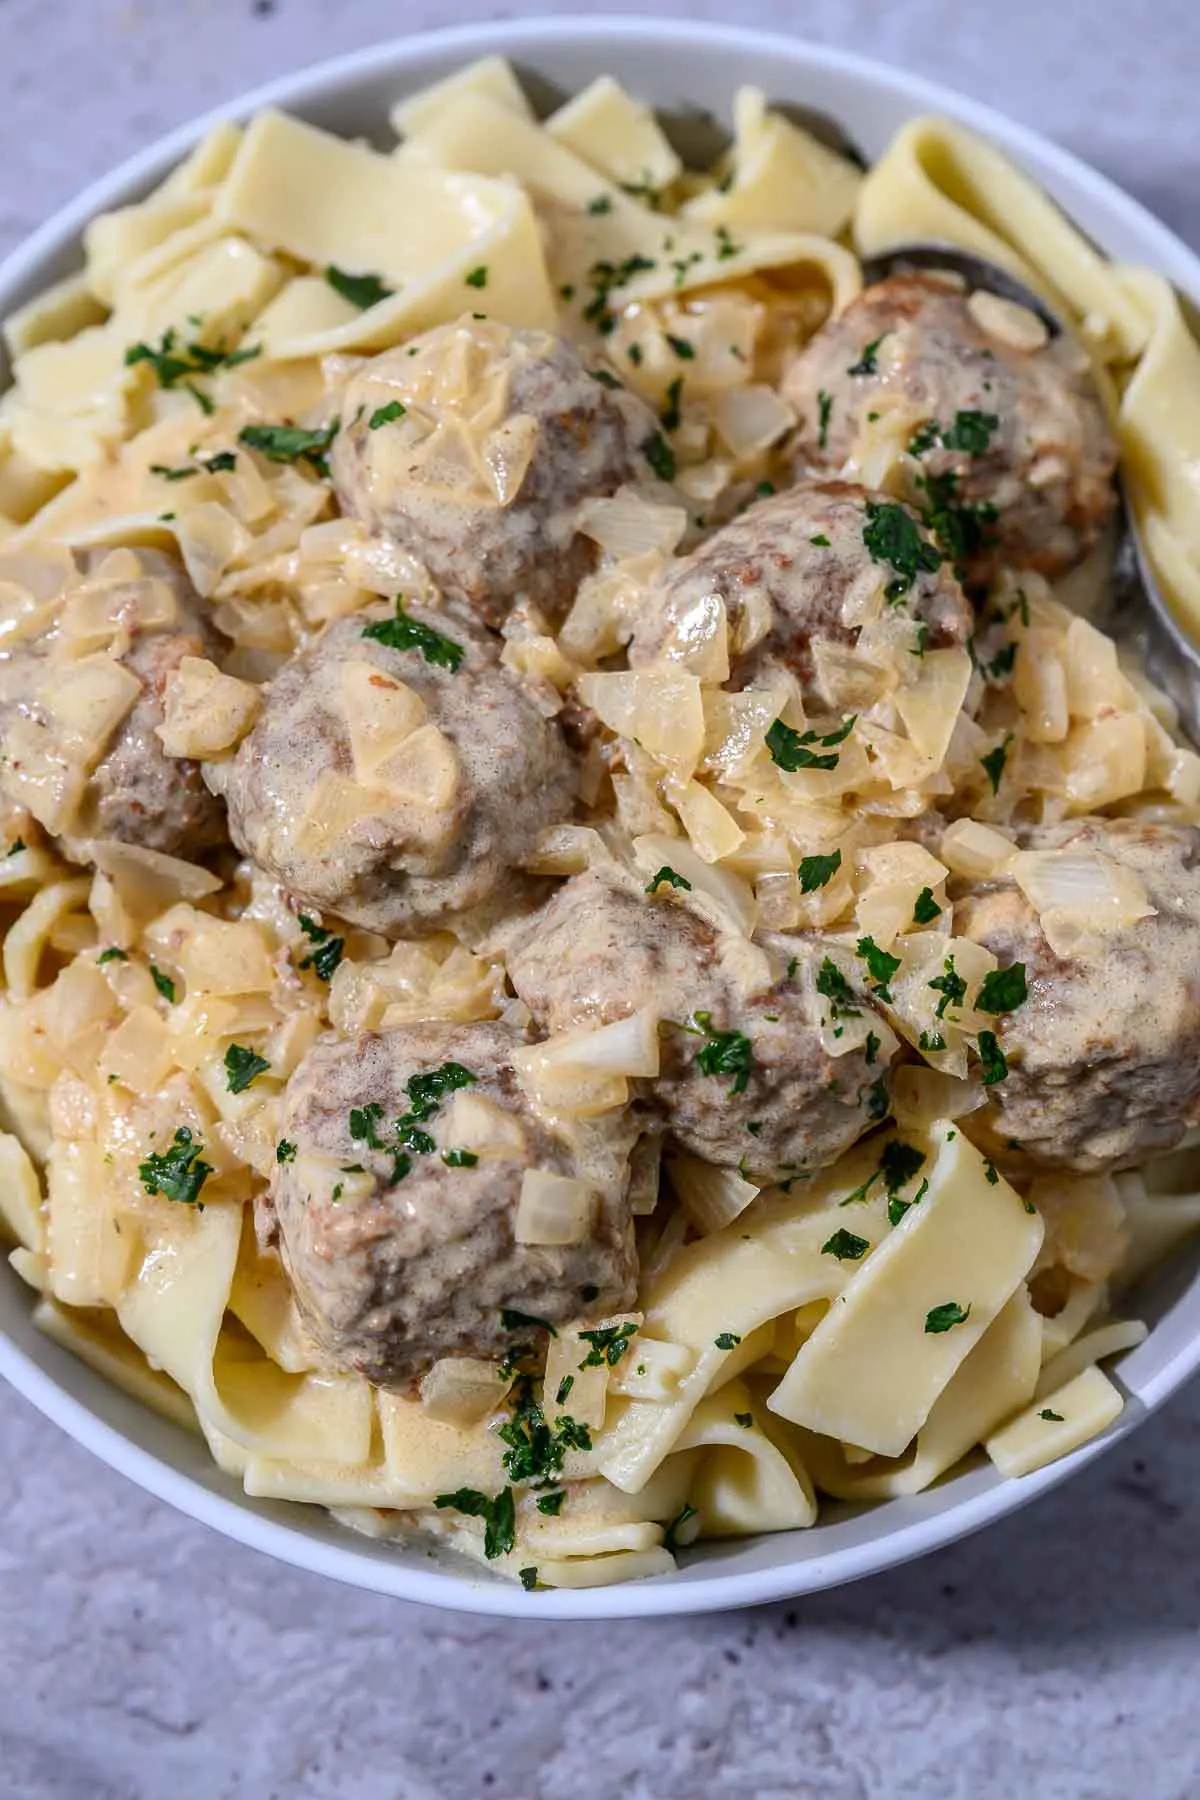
{"type": "Point", "coordinates": [142, 1658]}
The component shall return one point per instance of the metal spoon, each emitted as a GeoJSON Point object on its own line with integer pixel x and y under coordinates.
{"type": "Point", "coordinates": [1140, 617]}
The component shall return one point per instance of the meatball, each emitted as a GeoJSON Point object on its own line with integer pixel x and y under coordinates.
{"type": "Point", "coordinates": [135, 793]}
{"type": "Point", "coordinates": [1009, 446]}
{"type": "Point", "coordinates": [398, 773]}
{"type": "Point", "coordinates": [492, 438]}
{"type": "Point", "coordinates": [413, 1257]}
{"type": "Point", "coordinates": [814, 559]}
{"type": "Point", "coordinates": [744, 1079]}
{"type": "Point", "coordinates": [1104, 1054]}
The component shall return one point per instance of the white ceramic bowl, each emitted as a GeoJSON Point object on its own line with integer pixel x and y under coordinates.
{"type": "Point", "coordinates": [676, 66]}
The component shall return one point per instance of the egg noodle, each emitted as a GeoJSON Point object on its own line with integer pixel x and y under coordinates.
{"type": "Point", "coordinates": [760, 1369]}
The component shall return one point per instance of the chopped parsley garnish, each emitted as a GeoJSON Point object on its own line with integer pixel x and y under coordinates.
{"type": "Point", "coordinates": [924, 438]}
{"type": "Point", "coordinates": [871, 1048]}
{"type": "Point", "coordinates": [881, 966]}
{"type": "Point", "coordinates": [791, 750]}
{"type": "Point", "coordinates": [459, 1159]}
{"type": "Point", "coordinates": [477, 278]}
{"type": "Point", "coordinates": [1051, 1416]}
{"type": "Point", "coordinates": [892, 537]}
{"type": "Point", "coordinates": [600, 205]}
{"type": "Point", "coordinates": [866, 364]}
{"type": "Point", "coordinates": [932, 1041]}
{"type": "Point", "coordinates": [426, 1092]}
{"type": "Point", "coordinates": [763, 490]}
{"type": "Point", "coordinates": [288, 443]}
{"type": "Point", "coordinates": [745, 1420]}
{"type": "Point", "coordinates": [243, 1067]}
{"type": "Point", "coordinates": [405, 633]}
{"type": "Point", "coordinates": [528, 1578]}
{"type": "Point", "coordinates": [727, 1340]}
{"type": "Point", "coordinates": [820, 540]}
{"type": "Point", "coordinates": [535, 1453]}
{"type": "Point", "coordinates": [285, 1152]}
{"type": "Point", "coordinates": [659, 454]}
{"type": "Point", "coordinates": [899, 1163]}
{"type": "Point", "coordinates": [564, 1388]}
{"type": "Point", "coordinates": [635, 355]}
{"type": "Point", "coordinates": [817, 871]}
{"type": "Point", "coordinates": [922, 639]}
{"type": "Point", "coordinates": [834, 987]}
{"type": "Point", "coordinates": [175, 363]}
{"type": "Point", "coordinates": [724, 1053]}
{"type": "Point", "coordinates": [945, 1317]}
{"type": "Point", "coordinates": [386, 415]}
{"type": "Point", "coordinates": [725, 244]}
{"type": "Point", "coordinates": [1001, 665]}
{"type": "Point", "coordinates": [845, 1246]}
{"type": "Point", "coordinates": [971, 432]}
{"type": "Point", "coordinates": [16, 847]}
{"type": "Point", "coordinates": [166, 473]}
{"type": "Point", "coordinates": [326, 953]}
{"type": "Point", "coordinates": [684, 351]}
{"type": "Point", "coordinates": [513, 1320]}
{"type": "Point", "coordinates": [878, 1100]}
{"type": "Point", "coordinates": [925, 908]}
{"type": "Point", "coordinates": [498, 1514]}
{"type": "Point", "coordinates": [668, 877]}
{"type": "Point", "coordinates": [670, 415]}
{"type": "Point", "coordinates": [608, 1345]}
{"type": "Point", "coordinates": [671, 1534]}
{"type": "Point", "coordinates": [950, 985]}
{"type": "Point", "coordinates": [605, 377]}
{"type": "Point", "coordinates": [990, 1173]}
{"type": "Point", "coordinates": [552, 1503]}
{"type": "Point", "coordinates": [112, 954]}
{"type": "Point", "coordinates": [1002, 990]}
{"type": "Point", "coordinates": [177, 1173]}
{"type": "Point", "coordinates": [995, 760]}
{"type": "Point", "coordinates": [163, 983]}
{"type": "Point", "coordinates": [992, 1060]}
{"type": "Point", "coordinates": [824, 414]}
{"type": "Point", "coordinates": [958, 525]}
{"type": "Point", "coordinates": [360, 290]}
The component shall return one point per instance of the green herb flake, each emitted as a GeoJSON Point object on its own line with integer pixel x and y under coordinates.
{"type": "Point", "coordinates": [834, 987]}
{"type": "Point", "coordinates": [605, 377]}
{"type": "Point", "coordinates": [925, 908]}
{"type": "Point", "coordinates": [871, 1048]}
{"type": "Point", "coordinates": [824, 414]}
{"type": "Point", "coordinates": [995, 760]}
{"type": "Point", "coordinates": [112, 954]}
{"type": "Point", "coordinates": [892, 536]}
{"type": "Point", "coordinates": [660, 456]}
{"type": "Point", "coordinates": [945, 1317]}
{"type": "Point", "coordinates": [667, 877]}
{"type": "Point", "coordinates": [670, 414]}
{"type": "Point", "coordinates": [671, 1534]}
{"type": "Point", "coordinates": [881, 966]}
{"type": "Point", "coordinates": [608, 1344]}
{"type": "Point", "coordinates": [866, 364]}
{"type": "Point", "coordinates": [727, 1340]}
{"type": "Point", "coordinates": [386, 415]}
{"type": "Point", "coordinates": [405, 633]}
{"type": "Point", "coordinates": [684, 351]}
{"type": "Point", "coordinates": [513, 1320]}
{"type": "Point", "coordinates": [990, 1173]}
{"type": "Point", "coordinates": [175, 363]}
{"type": "Point", "coordinates": [745, 1420]}
{"type": "Point", "coordinates": [285, 1152]}
{"type": "Point", "coordinates": [1002, 990]}
{"type": "Point", "coordinates": [163, 983]}
{"type": "Point", "coordinates": [993, 1064]}
{"type": "Point", "coordinates": [763, 490]}
{"type": "Point", "coordinates": [845, 1246]}
{"type": "Point", "coordinates": [498, 1515]}
{"type": "Point", "coordinates": [950, 985]}
{"type": "Point", "coordinates": [243, 1067]}
{"type": "Point", "coordinates": [600, 205]}
{"type": "Point", "coordinates": [551, 1504]}
{"type": "Point", "coordinates": [459, 1159]}
{"type": "Point", "coordinates": [288, 443]}
{"type": "Point", "coordinates": [360, 290]}
{"type": "Point", "coordinates": [791, 750]}
{"type": "Point", "coordinates": [1052, 1417]}
{"type": "Point", "coordinates": [820, 540]}
{"type": "Point", "coordinates": [931, 1042]}
{"type": "Point", "coordinates": [971, 432]}
{"type": "Point", "coordinates": [634, 354]}
{"type": "Point", "coordinates": [477, 278]}
{"type": "Point", "coordinates": [327, 950]}
{"type": "Point", "coordinates": [177, 1173]}
{"type": "Point", "coordinates": [899, 1163]}
{"type": "Point", "coordinates": [724, 1053]}
{"type": "Point", "coordinates": [528, 1578]}
{"type": "Point", "coordinates": [818, 871]}
{"type": "Point", "coordinates": [426, 1092]}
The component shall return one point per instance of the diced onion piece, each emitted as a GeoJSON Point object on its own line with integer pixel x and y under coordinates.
{"type": "Point", "coordinates": [567, 850]}
{"type": "Point", "coordinates": [711, 1197]}
{"type": "Point", "coordinates": [1105, 762]}
{"type": "Point", "coordinates": [920, 1095]}
{"type": "Point", "coordinates": [696, 634]}
{"type": "Point", "coordinates": [462, 1390]}
{"type": "Point", "coordinates": [539, 659]}
{"type": "Point", "coordinates": [627, 525]}
{"type": "Point", "coordinates": [38, 775]}
{"type": "Point", "coordinates": [206, 713]}
{"type": "Point", "coordinates": [565, 1087]}
{"type": "Point", "coordinates": [1007, 321]}
{"type": "Point", "coordinates": [976, 851]}
{"type": "Point", "coordinates": [209, 539]}
{"type": "Point", "coordinates": [554, 1209]}
{"type": "Point", "coordinates": [714, 832]}
{"type": "Point", "coordinates": [424, 771]}
{"type": "Point", "coordinates": [728, 891]}
{"type": "Point", "coordinates": [661, 708]}
{"type": "Point", "coordinates": [1079, 892]}
{"type": "Point", "coordinates": [224, 957]}
{"type": "Point", "coordinates": [586, 1395]}
{"type": "Point", "coordinates": [628, 1046]}
{"type": "Point", "coordinates": [87, 700]}
{"type": "Point", "coordinates": [645, 1167]}
{"type": "Point", "coordinates": [1040, 686]}
{"type": "Point", "coordinates": [146, 881]}
{"type": "Point", "coordinates": [751, 419]}
{"type": "Point", "coordinates": [652, 1370]}
{"type": "Point", "coordinates": [473, 1122]}
{"type": "Point", "coordinates": [930, 707]}
{"type": "Point", "coordinates": [1095, 684]}
{"type": "Point", "coordinates": [139, 1052]}
{"type": "Point", "coordinates": [381, 714]}
{"type": "Point", "coordinates": [1086, 1228]}
{"type": "Point", "coordinates": [736, 725]}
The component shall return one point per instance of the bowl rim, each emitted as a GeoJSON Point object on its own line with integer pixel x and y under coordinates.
{"type": "Point", "coordinates": [244, 1519]}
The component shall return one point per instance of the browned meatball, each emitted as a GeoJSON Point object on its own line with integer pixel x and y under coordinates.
{"type": "Point", "coordinates": [435, 829]}
{"type": "Point", "coordinates": [1104, 1055]}
{"type": "Point", "coordinates": [414, 1257]}
{"type": "Point", "coordinates": [500, 434]}
{"type": "Point", "coordinates": [1010, 445]}
{"type": "Point", "coordinates": [744, 1081]}
{"type": "Point", "coordinates": [135, 793]}
{"type": "Point", "coordinates": [809, 555]}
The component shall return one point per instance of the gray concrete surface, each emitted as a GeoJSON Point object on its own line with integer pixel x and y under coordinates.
{"type": "Point", "coordinates": [141, 1658]}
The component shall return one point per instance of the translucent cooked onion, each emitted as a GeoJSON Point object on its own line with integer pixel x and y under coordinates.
{"type": "Point", "coordinates": [1079, 892]}
{"type": "Point", "coordinates": [626, 1047]}
{"type": "Point", "coordinates": [662, 709]}
{"type": "Point", "coordinates": [751, 419]}
{"type": "Point", "coordinates": [462, 1390]}
{"type": "Point", "coordinates": [554, 1209]}
{"type": "Point", "coordinates": [711, 1197]}
{"type": "Point", "coordinates": [726, 890]}
{"type": "Point", "coordinates": [974, 850]}
{"type": "Point", "coordinates": [712, 828]}
{"type": "Point", "coordinates": [628, 525]}
{"type": "Point", "coordinates": [567, 850]}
